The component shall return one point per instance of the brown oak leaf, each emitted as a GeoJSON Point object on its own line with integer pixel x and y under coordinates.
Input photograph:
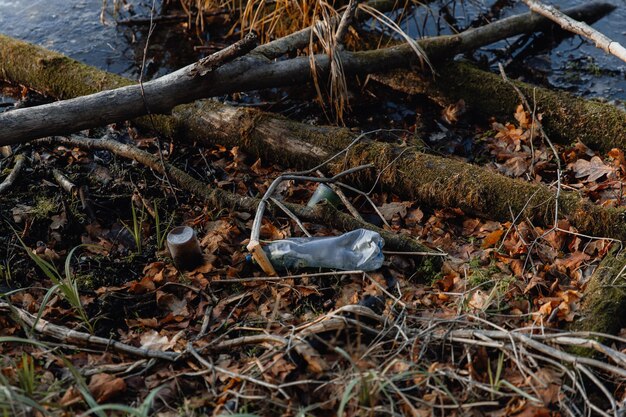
{"type": "Point", "coordinates": [105, 386]}
{"type": "Point", "coordinates": [593, 169]}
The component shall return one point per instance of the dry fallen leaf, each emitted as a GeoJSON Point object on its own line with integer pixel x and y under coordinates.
{"type": "Point", "coordinates": [492, 238]}
{"type": "Point", "coordinates": [550, 389]}
{"type": "Point", "coordinates": [146, 284]}
{"type": "Point", "coordinates": [389, 210]}
{"type": "Point", "coordinates": [71, 397]}
{"type": "Point", "coordinates": [479, 300]}
{"type": "Point", "coordinates": [452, 112]}
{"type": "Point", "coordinates": [170, 302]}
{"type": "Point", "coordinates": [514, 167]}
{"type": "Point", "coordinates": [154, 341]}
{"type": "Point", "coordinates": [105, 386]}
{"type": "Point", "coordinates": [413, 217]}
{"type": "Point", "coordinates": [523, 117]}
{"type": "Point", "coordinates": [593, 169]}
{"type": "Point", "coordinates": [618, 159]}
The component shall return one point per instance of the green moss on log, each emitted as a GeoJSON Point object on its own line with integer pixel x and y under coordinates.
{"type": "Point", "coordinates": [566, 118]}
{"type": "Point", "coordinates": [446, 182]}
{"type": "Point", "coordinates": [51, 73]}
{"type": "Point", "coordinates": [603, 307]}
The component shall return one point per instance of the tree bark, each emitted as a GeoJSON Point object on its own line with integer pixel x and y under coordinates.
{"type": "Point", "coordinates": [251, 72]}
{"type": "Point", "coordinates": [572, 25]}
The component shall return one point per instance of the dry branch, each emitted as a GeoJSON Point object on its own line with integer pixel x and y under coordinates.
{"type": "Point", "coordinates": [567, 23]}
{"type": "Point", "coordinates": [64, 182]}
{"type": "Point", "coordinates": [15, 172]}
{"type": "Point", "coordinates": [346, 21]}
{"type": "Point", "coordinates": [302, 38]}
{"type": "Point", "coordinates": [251, 72]}
{"type": "Point", "coordinates": [72, 336]}
{"type": "Point", "coordinates": [216, 60]}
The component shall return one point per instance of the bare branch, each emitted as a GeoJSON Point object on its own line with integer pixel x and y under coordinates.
{"type": "Point", "coordinates": [10, 179]}
{"type": "Point", "coordinates": [346, 21]}
{"type": "Point", "coordinates": [601, 41]}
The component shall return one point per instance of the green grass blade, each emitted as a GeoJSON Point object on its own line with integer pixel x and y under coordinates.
{"type": "Point", "coordinates": [13, 339]}
{"type": "Point", "coordinates": [44, 303]}
{"type": "Point", "coordinates": [346, 397]}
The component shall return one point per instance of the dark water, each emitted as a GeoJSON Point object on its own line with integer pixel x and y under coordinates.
{"type": "Point", "coordinates": [575, 64]}
{"type": "Point", "coordinates": [73, 27]}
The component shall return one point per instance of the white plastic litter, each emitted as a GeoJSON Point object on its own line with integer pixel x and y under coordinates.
{"type": "Point", "coordinates": [359, 249]}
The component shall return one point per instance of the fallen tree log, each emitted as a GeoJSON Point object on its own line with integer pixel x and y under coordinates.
{"type": "Point", "coordinates": [428, 179]}
{"type": "Point", "coordinates": [565, 117]}
{"type": "Point", "coordinates": [251, 72]}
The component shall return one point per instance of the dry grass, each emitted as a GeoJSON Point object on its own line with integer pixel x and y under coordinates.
{"type": "Point", "coordinates": [269, 18]}
{"type": "Point", "coordinates": [278, 18]}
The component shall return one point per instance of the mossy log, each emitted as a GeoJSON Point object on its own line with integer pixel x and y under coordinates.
{"type": "Point", "coordinates": [252, 71]}
{"type": "Point", "coordinates": [603, 308]}
{"type": "Point", "coordinates": [565, 117]}
{"type": "Point", "coordinates": [430, 180]}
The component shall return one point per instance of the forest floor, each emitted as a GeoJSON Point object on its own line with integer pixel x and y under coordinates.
{"type": "Point", "coordinates": [486, 334]}
{"type": "Point", "coordinates": [515, 278]}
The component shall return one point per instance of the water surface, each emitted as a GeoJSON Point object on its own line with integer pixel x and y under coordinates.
{"type": "Point", "coordinates": [75, 29]}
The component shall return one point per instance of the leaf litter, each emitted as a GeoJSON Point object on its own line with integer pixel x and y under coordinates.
{"type": "Point", "coordinates": [399, 337]}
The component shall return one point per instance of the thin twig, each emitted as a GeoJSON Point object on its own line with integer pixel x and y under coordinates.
{"type": "Point", "coordinates": [72, 336]}
{"type": "Point", "coordinates": [291, 216]}
{"type": "Point", "coordinates": [392, 252]}
{"type": "Point", "coordinates": [346, 21]}
{"type": "Point", "coordinates": [214, 368]}
{"type": "Point", "coordinates": [224, 56]}
{"type": "Point", "coordinates": [249, 340]}
{"type": "Point", "coordinates": [15, 172]}
{"type": "Point", "coordinates": [67, 185]}
{"type": "Point", "coordinates": [343, 198]}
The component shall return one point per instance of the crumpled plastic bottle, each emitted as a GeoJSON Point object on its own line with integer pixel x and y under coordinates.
{"type": "Point", "coordinates": [359, 249]}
